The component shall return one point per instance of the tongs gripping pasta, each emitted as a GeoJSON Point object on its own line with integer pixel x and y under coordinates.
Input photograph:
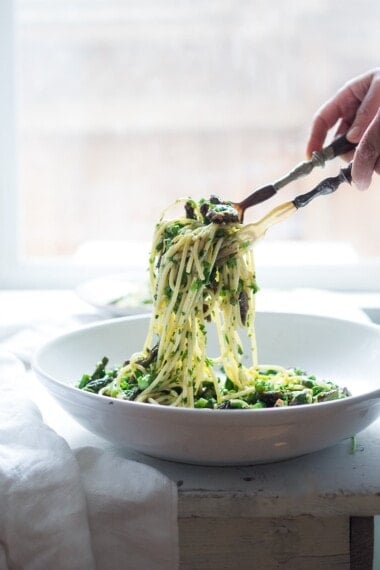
{"type": "Point", "coordinates": [252, 232]}
{"type": "Point", "coordinates": [327, 186]}
{"type": "Point", "coordinates": [338, 147]}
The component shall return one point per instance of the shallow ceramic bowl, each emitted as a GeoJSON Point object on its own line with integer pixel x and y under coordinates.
{"type": "Point", "coordinates": [343, 351]}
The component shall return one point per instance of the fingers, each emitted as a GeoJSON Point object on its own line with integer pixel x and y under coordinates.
{"type": "Point", "coordinates": [342, 106]}
{"type": "Point", "coordinates": [343, 127]}
{"type": "Point", "coordinates": [355, 104]}
{"type": "Point", "coordinates": [366, 112]}
{"type": "Point", "coordinates": [367, 155]}
{"type": "Point", "coordinates": [317, 135]}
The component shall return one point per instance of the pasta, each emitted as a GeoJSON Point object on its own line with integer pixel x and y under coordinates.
{"type": "Point", "coordinates": [201, 271]}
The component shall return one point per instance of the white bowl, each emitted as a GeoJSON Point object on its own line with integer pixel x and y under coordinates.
{"type": "Point", "coordinates": [346, 352]}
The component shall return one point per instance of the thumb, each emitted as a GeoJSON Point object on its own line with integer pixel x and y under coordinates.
{"type": "Point", "coordinates": [366, 112]}
{"type": "Point", "coordinates": [367, 155]}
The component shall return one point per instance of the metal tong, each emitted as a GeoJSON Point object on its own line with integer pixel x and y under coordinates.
{"type": "Point", "coordinates": [338, 147]}
{"type": "Point", "coordinates": [253, 232]}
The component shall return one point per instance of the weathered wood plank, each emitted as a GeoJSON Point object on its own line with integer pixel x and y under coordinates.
{"type": "Point", "coordinates": [298, 543]}
{"type": "Point", "coordinates": [361, 543]}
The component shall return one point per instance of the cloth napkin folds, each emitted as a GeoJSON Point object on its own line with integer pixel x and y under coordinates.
{"type": "Point", "coordinates": [86, 509]}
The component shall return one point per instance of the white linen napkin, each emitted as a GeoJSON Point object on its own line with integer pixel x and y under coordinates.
{"type": "Point", "coordinates": [82, 510]}
{"type": "Point", "coordinates": [132, 511]}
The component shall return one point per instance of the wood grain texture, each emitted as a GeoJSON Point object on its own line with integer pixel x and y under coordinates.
{"type": "Point", "coordinates": [361, 543]}
{"type": "Point", "coordinates": [297, 543]}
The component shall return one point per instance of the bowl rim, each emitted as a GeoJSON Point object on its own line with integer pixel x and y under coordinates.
{"type": "Point", "coordinates": [205, 412]}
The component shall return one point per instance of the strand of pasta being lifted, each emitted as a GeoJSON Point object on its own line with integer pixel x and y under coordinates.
{"type": "Point", "coordinates": [202, 270]}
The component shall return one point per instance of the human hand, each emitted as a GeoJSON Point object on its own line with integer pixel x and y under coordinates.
{"type": "Point", "coordinates": [357, 105]}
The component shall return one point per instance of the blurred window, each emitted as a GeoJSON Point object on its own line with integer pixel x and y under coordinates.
{"type": "Point", "coordinates": [124, 106]}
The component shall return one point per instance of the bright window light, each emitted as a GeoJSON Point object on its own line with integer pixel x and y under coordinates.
{"type": "Point", "coordinates": [122, 107]}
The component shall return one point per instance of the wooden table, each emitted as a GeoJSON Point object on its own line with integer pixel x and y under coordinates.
{"type": "Point", "coordinates": [311, 513]}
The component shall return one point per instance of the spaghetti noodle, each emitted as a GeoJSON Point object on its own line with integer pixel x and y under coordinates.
{"type": "Point", "coordinates": [202, 271]}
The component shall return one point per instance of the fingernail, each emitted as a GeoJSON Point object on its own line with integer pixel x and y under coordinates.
{"type": "Point", "coordinates": [353, 134]}
{"type": "Point", "coordinates": [361, 185]}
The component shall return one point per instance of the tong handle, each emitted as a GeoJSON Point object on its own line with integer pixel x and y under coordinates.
{"type": "Point", "coordinates": [326, 186]}
{"type": "Point", "coordinates": [339, 146]}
